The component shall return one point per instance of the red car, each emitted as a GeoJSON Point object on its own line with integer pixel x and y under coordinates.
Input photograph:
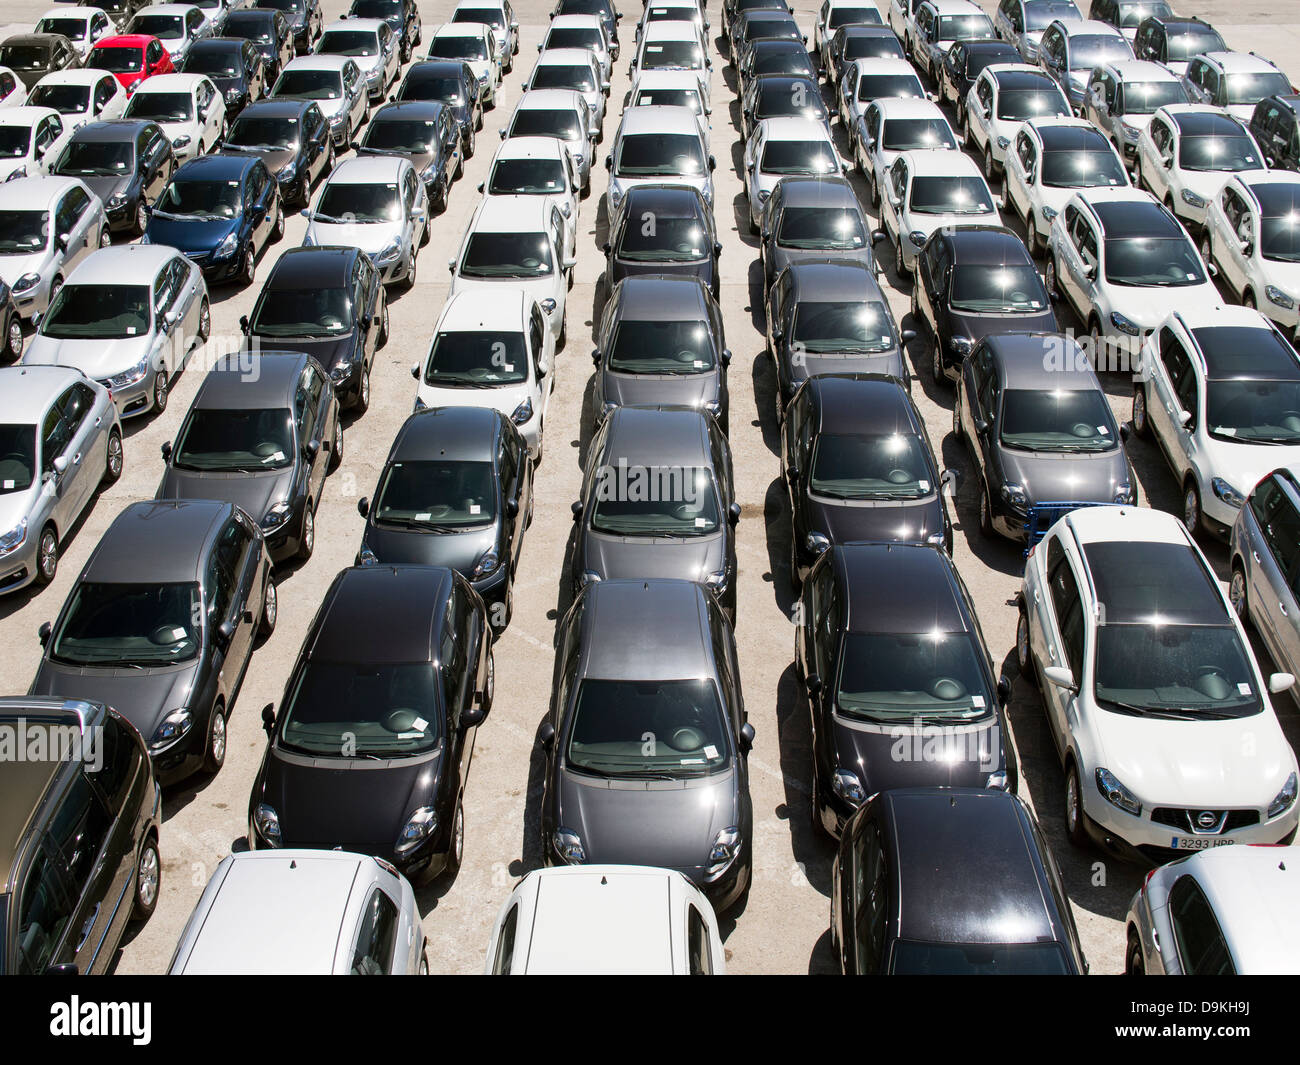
{"type": "Point", "coordinates": [131, 57]}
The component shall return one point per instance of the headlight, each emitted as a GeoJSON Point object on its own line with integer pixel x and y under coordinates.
{"type": "Point", "coordinates": [115, 201]}
{"type": "Point", "coordinates": [1131, 133]}
{"type": "Point", "coordinates": [234, 95]}
{"type": "Point", "coordinates": [390, 252]}
{"type": "Point", "coordinates": [420, 404]}
{"type": "Point", "coordinates": [848, 787]}
{"type": "Point", "coordinates": [717, 581]}
{"type": "Point", "coordinates": [1285, 798]}
{"type": "Point", "coordinates": [916, 237]}
{"type": "Point", "coordinates": [421, 825]}
{"type": "Point", "coordinates": [763, 195]}
{"type": "Point", "coordinates": [568, 846]}
{"type": "Point", "coordinates": [1003, 142]}
{"type": "Point", "coordinates": [1224, 491]}
{"type": "Point", "coordinates": [276, 516]}
{"type": "Point", "coordinates": [713, 407]}
{"type": "Point", "coordinates": [1124, 493]}
{"type": "Point", "coordinates": [998, 781]}
{"type": "Point", "coordinates": [1124, 325]}
{"type": "Point", "coordinates": [227, 247]}
{"type": "Point", "coordinates": [726, 846]}
{"type": "Point", "coordinates": [523, 413]}
{"type": "Point", "coordinates": [25, 282]}
{"type": "Point", "coordinates": [308, 240]}
{"type": "Point", "coordinates": [1049, 213]}
{"type": "Point", "coordinates": [17, 173]}
{"type": "Point", "coordinates": [366, 557]}
{"type": "Point", "coordinates": [266, 822]}
{"type": "Point", "coordinates": [487, 564]}
{"type": "Point", "coordinates": [173, 728]}
{"type": "Point", "coordinates": [590, 576]}
{"type": "Point", "coordinates": [1015, 495]}
{"type": "Point", "coordinates": [340, 372]}
{"type": "Point", "coordinates": [1192, 200]}
{"type": "Point", "coordinates": [131, 376]}
{"type": "Point", "coordinates": [14, 538]}
{"type": "Point", "coordinates": [1116, 794]}
{"type": "Point", "coordinates": [615, 195]}
{"type": "Point", "coordinates": [288, 172]}
{"type": "Point", "coordinates": [578, 160]}
{"type": "Point", "coordinates": [961, 345]}
{"type": "Point", "coordinates": [1272, 292]}
{"type": "Point", "coordinates": [817, 543]}
{"type": "Point", "coordinates": [181, 141]}
{"type": "Point", "coordinates": [337, 120]}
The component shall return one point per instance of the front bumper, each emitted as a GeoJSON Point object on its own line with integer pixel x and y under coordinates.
{"type": "Point", "coordinates": [135, 399]}
{"type": "Point", "coordinates": [18, 568]}
{"type": "Point", "coordinates": [284, 540]}
{"type": "Point", "coordinates": [348, 389]}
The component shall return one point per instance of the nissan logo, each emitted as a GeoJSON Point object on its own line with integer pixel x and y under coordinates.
{"type": "Point", "coordinates": [1206, 819]}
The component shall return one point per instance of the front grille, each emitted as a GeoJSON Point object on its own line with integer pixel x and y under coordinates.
{"type": "Point", "coordinates": [1187, 820]}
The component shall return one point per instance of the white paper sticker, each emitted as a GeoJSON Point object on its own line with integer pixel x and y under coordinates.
{"type": "Point", "coordinates": [701, 522]}
{"type": "Point", "coordinates": [410, 735]}
{"type": "Point", "coordinates": [698, 364]}
{"type": "Point", "coordinates": [923, 485]}
{"type": "Point", "coordinates": [1103, 430]}
{"type": "Point", "coordinates": [1191, 277]}
{"type": "Point", "coordinates": [711, 751]}
{"type": "Point", "coordinates": [425, 516]}
{"type": "Point", "coordinates": [1244, 689]}
{"type": "Point", "coordinates": [474, 508]}
{"type": "Point", "coordinates": [884, 338]}
{"type": "Point", "coordinates": [977, 701]}
{"type": "Point", "coordinates": [8, 485]}
{"type": "Point", "coordinates": [509, 367]}
{"type": "Point", "coordinates": [130, 330]}
{"type": "Point", "coordinates": [277, 457]}
{"type": "Point", "coordinates": [178, 633]}
{"type": "Point", "coordinates": [692, 761]}
{"type": "Point", "coordinates": [420, 723]}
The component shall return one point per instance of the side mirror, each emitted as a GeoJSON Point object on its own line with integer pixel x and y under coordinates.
{"type": "Point", "coordinates": [311, 449]}
{"type": "Point", "coordinates": [595, 357]}
{"type": "Point", "coordinates": [1185, 417]}
{"type": "Point", "coordinates": [717, 248]}
{"type": "Point", "coordinates": [363, 506]}
{"type": "Point", "coordinates": [746, 737]}
{"type": "Point", "coordinates": [512, 507]}
{"type": "Point", "coordinates": [726, 356]}
{"type": "Point", "coordinates": [1004, 690]}
{"type": "Point", "coordinates": [62, 242]}
{"type": "Point", "coordinates": [546, 735]}
{"type": "Point", "coordinates": [981, 425]}
{"type": "Point", "coordinates": [1061, 678]}
{"type": "Point", "coordinates": [243, 324]}
{"type": "Point", "coordinates": [482, 185]}
{"type": "Point", "coordinates": [907, 335]}
{"type": "Point", "coordinates": [877, 235]}
{"type": "Point", "coordinates": [451, 266]}
{"type": "Point", "coordinates": [1280, 682]}
{"type": "Point", "coordinates": [609, 162]}
{"type": "Point", "coordinates": [1123, 432]}
{"type": "Point", "coordinates": [813, 684]}
{"type": "Point", "coordinates": [306, 214]}
{"type": "Point", "coordinates": [577, 509]}
{"type": "Point", "coordinates": [43, 633]}
{"type": "Point", "coordinates": [713, 163]}
{"type": "Point", "coordinates": [268, 718]}
{"type": "Point", "coordinates": [61, 465]}
{"type": "Point", "coordinates": [733, 513]}
{"type": "Point", "coordinates": [607, 247]}
{"type": "Point", "coordinates": [166, 450]}
{"type": "Point", "coordinates": [226, 633]}
{"type": "Point", "coordinates": [472, 717]}
{"type": "Point", "coordinates": [415, 370]}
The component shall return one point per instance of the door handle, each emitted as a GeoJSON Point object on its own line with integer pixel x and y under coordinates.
{"type": "Point", "coordinates": [1282, 607]}
{"type": "Point", "coordinates": [1255, 555]}
{"type": "Point", "coordinates": [90, 923]}
{"type": "Point", "coordinates": [100, 419]}
{"type": "Point", "coordinates": [76, 458]}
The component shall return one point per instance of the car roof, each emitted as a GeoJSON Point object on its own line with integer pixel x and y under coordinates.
{"type": "Point", "coordinates": [955, 7]}
{"type": "Point", "coordinates": [794, 128]}
{"type": "Point", "coordinates": [907, 107]}
{"type": "Point", "coordinates": [985, 246]}
{"type": "Point", "coordinates": [531, 148]}
{"type": "Point", "coordinates": [368, 170]}
{"type": "Point", "coordinates": [170, 83]}
{"type": "Point", "coordinates": [110, 265]}
{"type": "Point", "coordinates": [1126, 525]}
{"type": "Point", "coordinates": [34, 193]}
{"type": "Point", "coordinates": [551, 99]}
{"type": "Point", "coordinates": [277, 107]}
{"type": "Point", "coordinates": [1232, 62]}
{"type": "Point", "coordinates": [565, 57]}
{"type": "Point", "coordinates": [217, 167]}
{"type": "Point", "coordinates": [380, 614]}
{"type": "Point", "coordinates": [461, 29]}
{"type": "Point", "coordinates": [888, 65]}
{"type": "Point", "coordinates": [658, 118]}
{"type": "Point", "coordinates": [112, 130]}
{"type": "Point", "coordinates": [667, 79]}
{"type": "Point", "coordinates": [510, 214]}
{"type": "Point", "coordinates": [454, 434]}
{"type": "Point", "coordinates": [917, 581]}
{"type": "Point", "coordinates": [318, 61]}
{"type": "Point", "coordinates": [875, 29]}
{"type": "Point", "coordinates": [659, 436]}
{"type": "Point", "coordinates": [831, 190]}
{"type": "Point", "coordinates": [640, 630]}
{"type": "Point", "coordinates": [26, 392]}
{"type": "Point", "coordinates": [861, 403]}
{"type": "Point", "coordinates": [408, 109]}
{"type": "Point", "coordinates": [125, 40]}
{"type": "Point", "coordinates": [1277, 189]}
{"type": "Point", "coordinates": [662, 298]}
{"type": "Point", "coordinates": [1018, 76]}
{"type": "Point", "coordinates": [1046, 361]}
{"type": "Point", "coordinates": [1264, 361]}
{"type": "Point", "coordinates": [157, 541]}
{"type": "Point", "coordinates": [1089, 27]}
{"type": "Point", "coordinates": [317, 266]}
{"type": "Point", "coordinates": [371, 24]}
{"type": "Point", "coordinates": [26, 115]}
{"type": "Point", "coordinates": [1254, 892]}
{"type": "Point", "coordinates": [941, 162]}
{"type": "Point", "coordinates": [34, 38]}
{"type": "Point", "coordinates": [164, 9]}
{"type": "Point", "coordinates": [833, 280]}
{"type": "Point", "coordinates": [670, 30]}
{"type": "Point", "coordinates": [1202, 120]}
{"type": "Point", "coordinates": [74, 76]}
{"type": "Point", "coordinates": [983, 45]}
{"type": "Point", "coordinates": [671, 201]}
{"type": "Point", "coordinates": [1065, 133]}
{"type": "Point", "coordinates": [219, 44]}
{"type": "Point", "coordinates": [1135, 70]}
{"type": "Point", "coordinates": [574, 21]}
{"type": "Point", "coordinates": [229, 385]}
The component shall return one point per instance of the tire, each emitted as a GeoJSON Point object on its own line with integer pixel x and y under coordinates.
{"type": "Point", "coordinates": [1192, 512]}
{"type": "Point", "coordinates": [248, 267]}
{"type": "Point", "coordinates": [307, 538]}
{"type": "Point", "coordinates": [1206, 248]}
{"type": "Point", "coordinates": [270, 609]}
{"type": "Point", "coordinates": [141, 219]}
{"type": "Point", "coordinates": [1024, 662]}
{"type": "Point", "coordinates": [873, 187]}
{"type": "Point", "coordinates": [990, 167]}
{"type": "Point", "coordinates": [362, 403]}
{"type": "Point", "coordinates": [1074, 815]}
{"type": "Point", "coordinates": [336, 446]}
{"type": "Point", "coordinates": [1049, 279]}
{"type": "Point", "coordinates": [1134, 963]}
{"type": "Point", "coordinates": [900, 267]}
{"type": "Point", "coordinates": [47, 555]}
{"type": "Point", "coordinates": [795, 582]}
{"type": "Point", "coordinates": [456, 851]}
{"type": "Point", "coordinates": [14, 338]}
{"type": "Point", "coordinates": [214, 751]}
{"type": "Point", "coordinates": [382, 339]}
{"type": "Point", "coordinates": [205, 320]}
{"type": "Point", "coordinates": [1141, 423]}
{"type": "Point", "coordinates": [1037, 244]}
{"type": "Point", "coordinates": [113, 458]}
{"type": "Point", "coordinates": [1238, 595]}
{"type": "Point", "coordinates": [105, 237]}
{"type": "Point", "coordinates": [936, 365]}
{"type": "Point", "coordinates": [986, 512]}
{"type": "Point", "coordinates": [148, 880]}
{"type": "Point", "coordinates": [408, 282]}
{"type": "Point", "coordinates": [277, 231]}
{"type": "Point", "coordinates": [161, 391]}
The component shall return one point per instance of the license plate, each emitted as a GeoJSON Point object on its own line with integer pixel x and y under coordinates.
{"type": "Point", "coordinates": [1201, 843]}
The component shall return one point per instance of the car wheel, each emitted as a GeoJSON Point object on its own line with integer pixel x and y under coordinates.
{"type": "Point", "coordinates": [989, 166]}
{"type": "Point", "coordinates": [362, 403]}
{"type": "Point", "coordinates": [336, 446]}
{"type": "Point", "coordinates": [307, 538]}
{"type": "Point", "coordinates": [277, 233]}
{"type": "Point", "coordinates": [986, 512]}
{"type": "Point", "coordinates": [900, 268]}
{"type": "Point", "coordinates": [141, 218]}
{"type": "Point", "coordinates": [1192, 507]}
{"type": "Point", "coordinates": [1023, 661]}
{"type": "Point", "coordinates": [490, 685]}
{"type": "Point", "coordinates": [248, 267]}
{"type": "Point", "coordinates": [1237, 595]}
{"type": "Point", "coordinates": [113, 458]}
{"type": "Point", "coordinates": [1140, 424]}
{"type": "Point", "coordinates": [1037, 243]}
{"type": "Point", "coordinates": [14, 338]}
{"type": "Point", "coordinates": [205, 320]}
{"type": "Point", "coordinates": [270, 608]}
{"type": "Point", "coordinates": [1074, 823]}
{"type": "Point", "coordinates": [456, 851]}
{"type": "Point", "coordinates": [409, 281]}
{"type": "Point", "coordinates": [936, 364]}
{"type": "Point", "coordinates": [105, 236]}
{"type": "Point", "coordinates": [161, 391]}
{"type": "Point", "coordinates": [1134, 963]}
{"type": "Point", "coordinates": [873, 188]}
{"type": "Point", "coordinates": [214, 754]}
{"type": "Point", "coordinates": [382, 339]}
{"type": "Point", "coordinates": [1049, 278]}
{"type": "Point", "coordinates": [148, 880]}
{"type": "Point", "coordinates": [795, 581]}
{"type": "Point", "coordinates": [1206, 250]}
{"type": "Point", "coordinates": [47, 555]}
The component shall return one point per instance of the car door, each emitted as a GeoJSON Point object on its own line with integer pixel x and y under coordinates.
{"type": "Point", "coordinates": [891, 203]}
{"type": "Point", "coordinates": [1063, 638]}
{"type": "Point", "coordinates": [235, 562]}
{"type": "Point", "coordinates": [985, 403]}
{"type": "Point", "coordinates": [315, 429]}
{"type": "Point", "coordinates": [1158, 158]}
{"type": "Point", "coordinates": [981, 118]}
{"type": "Point", "coordinates": [1231, 233]}
{"type": "Point", "coordinates": [1080, 261]}
{"type": "Point", "coordinates": [1019, 168]}
{"type": "Point", "coordinates": [456, 668]}
{"type": "Point", "coordinates": [848, 88]}
{"type": "Point", "coordinates": [1169, 381]}
{"type": "Point", "coordinates": [158, 166]}
{"type": "Point", "coordinates": [1275, 558]}
{"type": "Point", "coordinates": [81, 427]}
{"type": "Point", "coordinates": [510, 476]}
{"type": "Point", "coordinates": [185, 281]}
{"type": "Point", "coordinates": [56, 440]}
{"type": "Point", "coordinates": [376, 942]}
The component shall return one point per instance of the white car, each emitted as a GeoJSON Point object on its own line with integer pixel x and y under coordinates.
{"type": "Point", "coordinates": [1122, 96]}
{"type": "Point", "coordinates": [337, 85]}
{"type": "Point", "coordinates": [188, 107]}
{"type": "Point", "coordinates": [1187, 153]}
{"type": "Point", "coordinates": [836, 13]}
{"type": "Point", "coordinates": [780, 147]}
{"type": "Point", "coordinates": [1160, 715]}
{"type": "Point", "coordinates": [673, 11]}
{"type": "Point", "coordinates": [1252, 239]}
{"type": "Point", "coordinates": [81, 96]}
{"type": "Point", "coordinates": [305, 913]}
{"type": "Point", "coordinates": [1123, 263]}
{"type": "Point", "coordinates": [129, 317]}
{"type": "Point", "coordinates": [562, 114]}
{"type": "Point", "coordinates": [1051, 159]}
{"type": "Point", "coordinates": [511, 243]}
{"type": "Point", "coordinates": [605, 920]}
{"type": "Point", "coordinates": [865, 80]}
{"type": "Point", "coordinates": [1003, 96]}
{"type": "Point", "coordinates": [1219, 390]}
{"type": "Point", "coordinates": [672, 46]}
{"type": "Point", "coordinates": [541, 167]}
{"type": "Point", "coordinates": [672, 88]}
{"type": "Point", "coordinates": [891, 126]}
{"type": "Point", "coordinates": [369, 41]}
{"type": "Point", "coordinates": [654, 145]}
{"type": "Point", "coordinates": [576, 69]}
{"type": "Point", "coordinates": [474, 43]}
{"type": "Point", "coordinates": [900, 18]}
{"type": "Point", "coordinates": [927, 190]}
{"type": "Point", "coordinates": [83, 26]}
{"type": "Point", "coordinates": [1235, 81]}
{"type": "Point", "coordinates": [582, 31]}
{"type": "Point", "coordinates": [491, 349]}
{"type": "Point", "coordinates": [31, 141]}
{"type": "Point", "coordinates": [1022, 22]}
{"type": "Point", "coordinates": [13, 90]}
{"type": "Point", "coordinates": [501, 17]}
{"type": "Point", "coordinates": [50, 225]}
{"type": "Point", "coordinates": [376, 203]}
{"type": "Point", "coordinates": [1227, 911]}
{"type": "Point", "coordinates": [939, 24]}
{"type": "Point", "coordinates": [177, 26]}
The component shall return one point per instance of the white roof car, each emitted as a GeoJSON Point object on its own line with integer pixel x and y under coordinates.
{"type": "Point", "coordinates": [836, 13]}
{"type": "Point", "coordinates": [674, 11]}
{"type": "Point", "coordinates": [780, 147]}
{"type": "Point", "coordinates": [605, 920]}
{"type": "Point", "coordinates": [305, 912]}
{"type": "Point", "coordinates": [491, 349]}
{"type": "Point", "coordinates": [572, 68]}
{"type": "Point", "coordinates": [188, 107]}
{"type": "Point", "coordinates": [177, 25]}
{"type": "Point", "coordinates": [1122, 96]}
{"type": "Point", "coordinates": [657, 144]}
{"type": "Point", "coordinates": [865, 80]}
{"type": "Point", "coordinates": [83, 26]}
{"type": "Point", "coordinates": [13, 90]}
{"type": "Point", "coordinates": [581, 31]}
{"type": "Point", "coordinates": [1021, 22]}
{"type": "Point", "coordinates": [892, 125]}
{"type": "Point", "coordinates": [672, 88]}
{"type": "Point", "coordinates": [1160, 715]}
{"type": "Point", "coordinates": [31, 139]}
{"type": "Point", "coordinates": [499, 15]}
{"type": "Point", "coordinates": [541, 167]}
{"type": "Point", "coordinates": [672, 46]}
{"type": "Point", "coordinates": [81, 95]}
{"type": "Point", "coordinates": [1235, 81]}
{"type": "Point", "coordinates": [563, 114]}
{"type": "Point", "coordinates": [939, 24]}
{"type": "Point", "coordinates": [371, 42]}
{"type": "Point", "coordinates": [475, 43]}
{"type": "Point", "coordinates": [927, 190]}
{"type": "Point", "coordinates": [1003, 96]}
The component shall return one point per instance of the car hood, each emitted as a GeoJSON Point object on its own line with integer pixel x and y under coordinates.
{"type": "Point", "coordinates": [1244, 465]}
{"type": "Point", "coordinates": [702, 268]}
{"type": "Point", "coordinates": [370, 237]}
{"type": "Point", "coordinates": [1148, 307]}
{"type": "Point", "coordinates": [12, 267]}
{"type": "Point", "coordinates": [95, 358]}
{"type": "Point", "coordinates": [15, 506]}
{"type": "Point", "coordinates": [505, 398]}
{"type": "Point", "coordinates": [890, 362]}
{"type": "Point", "coordinates": [419, 160]}
{"type": "Point", "coordinates": [108, 185]}
{"type": "Point", "coordinates": [1206, 183]}
{"type": "Point", "coordinates": [329, 351]}
{"type": "Point", "coordinates": [656, 390]}
{"type": "Point", "coordinates": [458, 551]}
{"type": "Point", "coordinates": [276, 159]}
{"type": "Point", "coordinates": [689, 559]}
{"type": "Point", "coordinates": [619, 185]}
{"type": "Point", "coordinates": [783, 257]}
{"type": "Point", "coordinates": [8, 166]}
{"type": "Point", "coordinates": [978, 326]}
{"type": "Point", "coordinates": [1285, 276]}
{"type": "Point", "coordinates": [142, 696]}
{"type": "Point", "coordinates": [255, 493]}
{"type": "Point", "coordinates": [1049, 476]}
{"type": "Point", "coordinates": [910, 754]}
{"type": "Point", "coordinates": [911, 521]}
{"type": "Point", "coordinates": [197, 235]}
{"type": "Point", "coordinates": [929, 223]}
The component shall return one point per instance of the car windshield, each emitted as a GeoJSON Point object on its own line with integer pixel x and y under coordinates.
{"type": "Point", "coordinates": [1251, 88]}
{"type": "Point", "coordinates": [66, 99]}
{"type": "Point", "coordinates": [528, 177]}
{"type": "Point", "coordinates": [671, 55]}
{"type": "Point", "coordinates": [842, 328]}
{"type": "Point", "coordinates": [798, 157]}
{"type": "Point", "coordinates": [116, 59]}
{"type": "Point", "coordinates": [649, 154]}
{"type": "Point", "coordinates": [401, 134]}
{"type": "Point", "coordinates": [1039, 14]}
{"type": "Point", "coordinates": [669, 98]}
{"type": "Point", "coordinates": [612, 718]}
{"type": "Point", "coordinates": [964, 28]}
{"type": "Point", "coordinates": [296, 312]}
{"type": "Point", "coordinates": [23, 232]}
{"type": "Point", "coordinates": [894, 86]}
{"type": "Point", "coordinates": [542, 122]}
{"type": "Point", "coordinates": [844, 16]}
{"type": "Point", "coordinates": [363, 710]}
{"type": "Point", "coordinates": [1132, 14]}
{"type": "Point", "coordinates": [99, 312]}
{"type": "Point", "coordinates": [1082, 169]}
{"type": "Point", "coordinates": [74, 29]}
{"type": "Point", "coordinates": [348, 42]}
{"type": "Point", "coordinates": [884, 466]}
{"type": "Point", "coordinates": [648, 501]}
{"type": "Point", "coordinates": [822, 228]}
{"type": "Point", "coordinates": [17, 457]}
{"type": "Point", "coordinates": [291, 7]}
{"type": "Point", "coordinates": [1279, 237]}
{"type": "Point", "coordinates": [978, 959]}
{"type": "Point", "coordinates": [1095, 50]}
{"type": "Point", "coordinates": [192, 198]}
{"type": "Point", "coordinates": [458, 48]}
{"type": "Point", "coordinates": [1187, 43]}
{"type": "Point", "coordinates": [992, 289]}
{"type": "Point", "coordinates": [1168, 262]}
{"type": "Point", "coordinates": [507, 255]}
{"type": "Point", "coordinates": [214, 63]}
{"type": "Point", "coordinates": [793, 60]}
{"type": "Point", "coordinates": [575, 37]}
{"type": "Point", "coordinates": [1144, 97]}
{"type": "Point", "coordinates": [476, 359]}
{"type": "Point", "coordinates": [1219, 153]}
{"type": "Point", "coordinates": [904, 134]}
{"type": "Point", "coordinates": [310, 84]}
{"type": "Point", "coordinates": [668, 240]}
{"type": "Point", "coordinates": [255, 131]}
{"type": "Point", "coordinates": [95, 158]}
{"type": "Point", "coordinates": [1017, 105]}
{"type": "Point", "coordinates": [113, 7]}
{"type": "Point", "coordinates": [1253, 412]}
{"type": "Point", "coordinates": [797, 99]}
{"type": "Point", "coordinates": [349, 203]}
{"type": "Point", "coordinates": [440, 90]}
{"type": "Point", "coordinates": [873, 47]}
{"type": "Point", "coordinates": [235, 440]}
{"type": "Point", "coordinates": [14, 141]}
{"type": "Point", "coordinates": [164, 27]}
{"type": "Point", "coordinates": [1060, 420]}
{"type": "Point", "coordinates": [576, 76]}
{"type": "Point", "coordinates": [257, 30]}
{"type": "Point", "coordinates": [902, 676]}
{"type": "Point", "coordinates": [129, 625]}
{"type": "Point", "coordinates": [950, 195]}
{"type": "Point", "coordinates": [487, 16]}
{"type": "Point", "coordinates": [436, 495]}
{"type": "Point", "coordinates": [653, 347]}
{"type": "Point", "coordinates": [377, 8]}
{"type": "Point", "coordinates": [24, 57]}
{"type": "Point", "coordinates": [161, 106]}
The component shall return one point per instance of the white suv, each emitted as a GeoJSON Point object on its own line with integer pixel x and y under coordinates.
{"type": "Point", "coordinates": [1159, 712]}
{"type": "Point", "coordinates": [891, 126]}
{"type": "Point", "coordinates": [928, 190]}
{"type": "Point", "coordinates": [1234, 81]}
{"type": "Point", "coordinates": [1003, 96]}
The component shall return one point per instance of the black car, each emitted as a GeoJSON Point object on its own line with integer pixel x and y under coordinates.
{"type": "Point", "coordinates": [456, 490]}
{"type": "Point", "coordinates": [11, 323]}
{"type": "Point", "coordinates": [647, 752]}
{"type": "Point", "coordinates": [120, 11]}
{"type": "Point", "coordinates": [330, 303]}
{"type": "Point", "coordinates": [126, 163]}
{"type": "Point", "coordinates": [371, 749]}
{"type": "Point", "coordinates": [950, 881]}
{"type": "Point", "coordinates": [1275, 125]}
{"type": "Point", "coordinates": [777, 56]}
{"type": "Point", "coordinates": [964, 63]}
{"type": "Point", "coordinates": [973, 281]}
{"type": "Point", "coordinates": [33, 55]}
{"type": "Point", "coordinates": [264, 441]}
{"type": "Point", "coordinates": [450, 82]}
{"type": "Point", "coordinates": [762, 25]}
{"type": "Point", "coordinates": [813, 217]}
{"type": "Point", "coordinates": [80, 857]}
{"type": "Point", "coordinates": [830, 316]}
{"type": "Point", "coordinates": [859, 41]}
{"type": "Point", "coordinates": [304, 18]}
{"type": "Point", "coordinates": [663, 229]}
{"type": "Point", "coordinates": [424, 132]}
{"type": "Point", "coordinates": [901, 689]}
{"type": "Point", "coordinates": [859, 466]}
{"type": "Point", "coordinates": [270, 33]}
{"type": "Point", "coordinates": [161, 625]}
{"type": "Point", "coordinates": [733, 9]}
{"type": "Point", "coordinates": [402, 16]}
{"type": "Point", "coordinates": [779, 96]}
{"type": "Point", "coordinates": [235, 67]}
{"type": "Point", "coordinates": [292, 137]}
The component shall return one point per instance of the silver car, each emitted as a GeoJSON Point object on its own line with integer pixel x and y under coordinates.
{"type": "Point", "coordinates": [559, 113]}
{"type": "Point", "coordinates": [60, 439]}
{"type": "Point", "coordinates": [1265, 547]}
{"type": "Point", "coordinates": [336, 83]}
{"type": "Point", "coordinates": [370, 41]}
{"type": "Point", "coordinates": [47, 226]}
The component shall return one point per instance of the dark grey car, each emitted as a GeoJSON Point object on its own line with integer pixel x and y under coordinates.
{"type": "Point", "coordinates": [647, 740]}
{"type": "Point", "coordinates": [660, 342]}
{"type": "Point", "coordinates": [125, 162]}
{"type": "Point", "coordinates": [663, 229]}
{"type": "Point", "coordinates": [161, 624]}
{"type": "Point", "coordinates": [424, 132]}
{"type": "Point", "coordinates": [657, 501]}
{"type": "Point", "coordinates": [263, 432]}
{"type": "Point", "coordinates": [1265, 549]}
{"type": "Point", "coordinates": [809, 218]}
{"type": "Point", "coordinates": [1040, 429]}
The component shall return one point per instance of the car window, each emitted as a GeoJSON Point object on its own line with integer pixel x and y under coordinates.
{"type": "Point", "coordinates": [1201, 948]}
{"type": "Point", "coordinates": [55, 436]}
{"type": "Point", "coordinates": [1278, 522]}
{"type": "Point", "coordinates": [79, 830]}
{"type": "Point", "coordinates": [870, 904]}
{"type": "Point", "coordinates": [697, 933]}
{"type": "Point", "coordinates": [43, 915]}
{"type": "Point", "coordinates": [505, 954]}
{"type": "Point", "coordinates": [120, 758]}
{"type": "Point", "coordinates": [1069, 608]}
{"type": "Point", "coordinates": [221, 575]}
{"type": "Point", "coordinates": [372, 954]}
